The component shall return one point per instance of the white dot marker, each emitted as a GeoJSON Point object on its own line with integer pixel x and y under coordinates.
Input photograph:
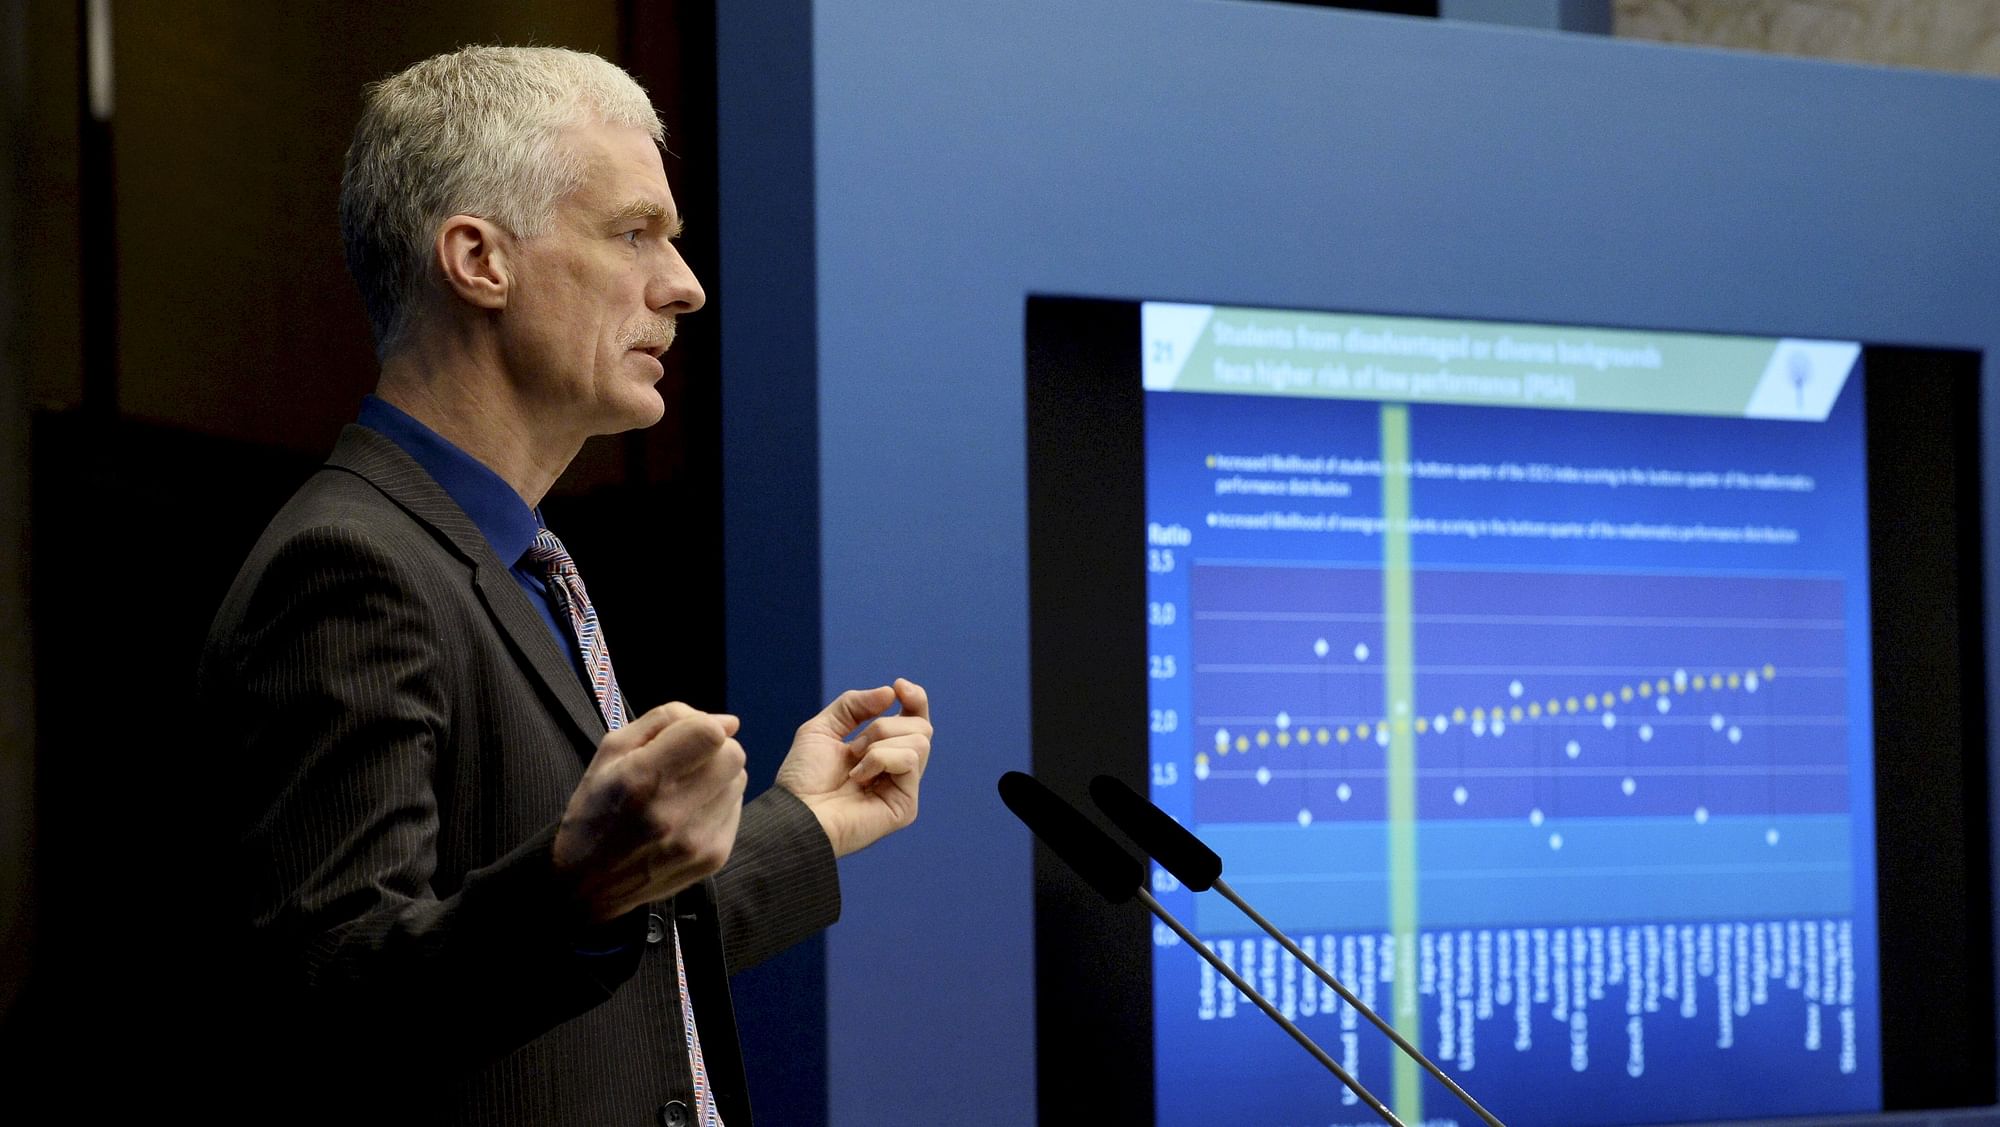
{"type": "Point", "coordinates": [1201, 768]}
{"type": "Point", "coordinates": [1499, 725]}
{"type": "Point", "coordinates": [1479, 726]}
{"type": "Point", "coordinates": [1680, 678]}
{"type": "Point", "coordinates": [1645, 731]}
{"type": "Point", "coordinates": [1305, 818]}
{"type": "Point", "coordinates": [1750, 683]}
{"type": "Point", "coordinates": [1361, 651]}
{"type": "Point", "coordinates": [1535, 816]}
{"type": "Point", "coordinates": [1555, 841]}
{"type": "Point", "coordinates": [1664, 704]}
{"type": "Point", "coordinates": [1343, 792]}
{"type": "Point", "coordinates": [1382, 735]}
{"type": "Point", "coordinates": [1320, 647]}
{"type": "Point", "coordinates": [1211, 520]}
{"type": "Point", "coordinates": [1284, 720]}
{"type": "Point", "coordinates": [1573, 749]}
{"type": "Point", "coordinates": [1402, 708]}
{"type": "Point", "coordinates": [1221, 739]}
{"type": "Point", "coordinates": [1770, 837]}
{"type": "Point", "coordinates": [1438, 723]}
{"type": "Point", "coordinates": [1701, 815]}
{"type": "Point", "coordinates": [1715, 722]}
{"type": "Point", "coordinates": [1628, 786]}
{"type": "Point", "coordinates": [1610, 721]}
{"type": "Point", "coordinates": [1514, 690]}
{"type": "Point", "coordinates": [1263, 776]}
{"type": "Point", "coordinates": [1736, 735]}
{"type": "Point", "coordinates": [1459, 796]}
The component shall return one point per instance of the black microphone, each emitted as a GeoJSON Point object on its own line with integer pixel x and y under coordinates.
{"type": "Point", "coordinates": [1179, 852]}
{"type": "Point", "coordinates": [1102, 864]}
{"type": "Point", "coordinates": [1115, 874]}
{"type": "Point", "coordinates": [1198, 867]}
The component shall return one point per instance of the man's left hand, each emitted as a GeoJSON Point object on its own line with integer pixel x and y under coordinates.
{"type": "Point", "coordinates": [862, 785]}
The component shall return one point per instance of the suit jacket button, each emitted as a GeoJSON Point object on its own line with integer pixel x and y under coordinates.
{"type": "Point", "coordinates": [673, 1113]}
{"type": "Point", "coordinates": [656, 930]}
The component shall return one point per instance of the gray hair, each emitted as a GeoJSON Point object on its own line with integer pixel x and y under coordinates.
{"type": "Point", "coordinates": [477, 131]}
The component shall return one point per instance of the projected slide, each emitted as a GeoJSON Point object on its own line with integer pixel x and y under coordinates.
{"type": "Point", "coordinates": [1521, 673]}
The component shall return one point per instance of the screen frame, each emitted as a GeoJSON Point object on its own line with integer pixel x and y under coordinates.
{"type": "Point", "coordinates": [1093, 962]}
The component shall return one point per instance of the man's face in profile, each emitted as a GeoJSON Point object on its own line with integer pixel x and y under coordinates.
{"type": "Point", "coordinates": [593, 299]}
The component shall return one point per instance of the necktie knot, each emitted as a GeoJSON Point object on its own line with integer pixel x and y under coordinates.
{"type": "Point", "coordinates": [550, 556]}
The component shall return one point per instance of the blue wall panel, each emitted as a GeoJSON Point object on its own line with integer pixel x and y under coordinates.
{"type": "Point", "coordinates": [965, 155]}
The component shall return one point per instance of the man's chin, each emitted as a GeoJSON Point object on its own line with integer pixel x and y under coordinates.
{"type": "Point", "coordinates": [642, 411]}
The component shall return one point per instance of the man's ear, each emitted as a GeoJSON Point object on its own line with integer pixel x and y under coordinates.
{"type": "Point", "coordinates": [472, 252]}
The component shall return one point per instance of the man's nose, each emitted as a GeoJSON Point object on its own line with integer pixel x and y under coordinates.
{"type": "Point", "coordinates": [675, 289]}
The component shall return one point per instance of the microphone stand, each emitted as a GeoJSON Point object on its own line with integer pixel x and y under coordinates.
{"type": "Point", "coordinates": [1271, 1011]}
{"type": "Point", "coordinates": [1347, 996]}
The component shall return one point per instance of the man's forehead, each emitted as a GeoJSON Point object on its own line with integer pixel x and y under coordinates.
{"type": "Point", "coordinates": [624, 176]}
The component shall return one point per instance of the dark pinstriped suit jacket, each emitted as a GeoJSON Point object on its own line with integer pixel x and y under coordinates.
{"type": "Point", "coordinates": [398, 734]}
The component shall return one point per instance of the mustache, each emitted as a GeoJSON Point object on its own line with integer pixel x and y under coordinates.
{"type": "Point", "coordinates": [651, 333]}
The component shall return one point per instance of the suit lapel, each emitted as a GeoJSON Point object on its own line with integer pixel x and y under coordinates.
{"type": "Point", "coordinates": [384, 465]}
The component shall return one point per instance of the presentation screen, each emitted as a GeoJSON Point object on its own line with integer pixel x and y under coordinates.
{"type": "Point", "coordinates": [1523, 675]}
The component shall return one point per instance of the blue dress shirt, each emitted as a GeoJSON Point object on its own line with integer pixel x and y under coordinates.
{"type": "Point", "coordinates": [501, 516]}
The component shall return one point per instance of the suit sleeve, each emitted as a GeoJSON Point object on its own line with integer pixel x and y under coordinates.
{"type": "Point", "coordinates": [780, 884]}
{"type": "Point", "coordinates": [327, 696]}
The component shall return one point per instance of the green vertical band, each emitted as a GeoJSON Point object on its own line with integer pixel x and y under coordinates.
{"type": "Point", "coordinates": [1399, 707]}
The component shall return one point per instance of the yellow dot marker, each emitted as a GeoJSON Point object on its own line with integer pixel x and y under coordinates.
{"type": "Point", "coordinates": [1769, 673]}
{"type": "Point", "coordinates": [1458, 716]}
{"type": "Point", "coordinates": [1243, 743]}
{"type": "Point", "coordinates": [1569, 705]}
{"type": "Point", "coordinates": [1324, 736]}
{"type": "Point", "coordinates": [1625, 692]}
{"type": "Point", "coordinates": [1645, 689]}
{"type": "Point", "coordinates": [1735, 680]}
{"type": "Point", "coordinates": [1534, 708]}
{"type": "Point", "coordinates": [1211, 461]}
{"type": "Point", "coordinates": [1361, 731]}
{"type": "Point", "coordinates": [1590, 702]}
{"type": "Point", "coordinates": [1341, 735]}
{"type": "Point", "coordinates": [1423, 725]}
{"type": "Point", "coordinates": [1263, 738]}
{"type": "Point", "coordinates": [1699, 683]}
{"type": "Point", "coordinates": [1284, 739]}
{"type": "Point", "coordinates": [1514, 714]}
{"type": "Point", "coordinates": [1479, 714]}
{"type": "Point", "coordinates": [1554, 706]}
{"type": "Point", "coordinates": [1200, 759]}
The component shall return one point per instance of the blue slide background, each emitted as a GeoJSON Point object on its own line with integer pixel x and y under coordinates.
{"type": "Point", "coordinates": [1782, 838]}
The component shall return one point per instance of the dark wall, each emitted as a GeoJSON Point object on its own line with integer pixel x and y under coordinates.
{"type": "Point", "coordinates": [16, 713]}
{"type": "Point", "coordinates": [188, 345]}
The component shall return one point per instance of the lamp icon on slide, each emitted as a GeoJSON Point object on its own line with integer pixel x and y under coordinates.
{"type": "Point", "coordinates": [1800, 368]}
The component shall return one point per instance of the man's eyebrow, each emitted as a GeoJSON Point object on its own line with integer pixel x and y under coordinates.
{"type": "Point", "coordinates": [651, 212]}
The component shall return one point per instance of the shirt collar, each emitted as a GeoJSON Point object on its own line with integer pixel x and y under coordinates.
{"type": "Point", "coordinates": [500, 514]}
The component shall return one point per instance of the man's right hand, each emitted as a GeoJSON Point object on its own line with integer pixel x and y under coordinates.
{"type": "Point", "coordinates": [657, 810]}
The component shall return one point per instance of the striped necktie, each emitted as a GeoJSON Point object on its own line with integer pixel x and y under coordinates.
{"type": "Point", "coordinates": [573, 602]}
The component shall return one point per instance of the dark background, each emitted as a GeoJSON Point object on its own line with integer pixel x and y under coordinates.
{"type": "Point", "coordinates": [183, 346]}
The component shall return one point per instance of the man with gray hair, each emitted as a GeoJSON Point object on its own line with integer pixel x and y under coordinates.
{"type": "Point", "coordinates": [476, 886]}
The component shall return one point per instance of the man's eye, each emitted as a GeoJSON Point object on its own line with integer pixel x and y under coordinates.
{"type": "Point", "coordinates": [632, 237]}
